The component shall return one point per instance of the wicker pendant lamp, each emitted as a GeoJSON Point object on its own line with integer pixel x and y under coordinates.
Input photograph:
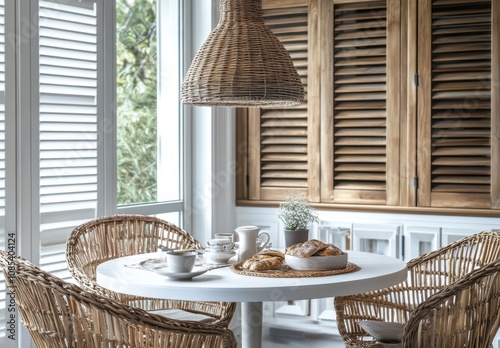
{"type": "Point", "coordinates": [242, 63]}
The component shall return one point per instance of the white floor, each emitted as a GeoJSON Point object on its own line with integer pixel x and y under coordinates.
{"type": "Point", "coordinates": [277, 334]}
{"type": "Point", "coordinates": [290, 340]}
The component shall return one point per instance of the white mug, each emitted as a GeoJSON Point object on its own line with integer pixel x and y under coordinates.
{"type": "Point", "coordinates": [181, 262]}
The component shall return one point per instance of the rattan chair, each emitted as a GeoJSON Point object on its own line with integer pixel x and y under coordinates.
{"type": "Point", "coordinates": [450, 299]}
{"type": "Point", "coordinates": [60, 314]}
{"type": "Point", "coordinates": [115, 236]}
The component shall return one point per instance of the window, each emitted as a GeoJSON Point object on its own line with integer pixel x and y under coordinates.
{"type": "Point", "coordinates": [137, 102]}
{"type": "Point", "coordinates": [148, 113]}
{"type": "Point", "coordinates": [63, 164]}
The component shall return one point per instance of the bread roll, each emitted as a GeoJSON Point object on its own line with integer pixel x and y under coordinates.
{"type": "Point", "coordinates": [307, 249]}
{"type": "Point", "coordinates": [332, 250]}
{"type": "Point", "coordinates": [313, 247]}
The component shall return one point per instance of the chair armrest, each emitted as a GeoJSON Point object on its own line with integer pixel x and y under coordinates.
{"type": "Point", "coordinates": [394, 303]}
{"type": "Point", "coordinates": [113, 321]}
{"type": "Point", "coordinates": [469, 306]}
{"type": "Point", "coordinates": [428, 274]}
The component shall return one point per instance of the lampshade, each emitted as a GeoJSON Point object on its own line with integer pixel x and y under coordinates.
{"type": "Point", "coordinates": [242, 63]}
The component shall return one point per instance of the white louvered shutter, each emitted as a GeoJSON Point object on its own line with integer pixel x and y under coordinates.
{"type": "Point", "coordinates": [69, 80]}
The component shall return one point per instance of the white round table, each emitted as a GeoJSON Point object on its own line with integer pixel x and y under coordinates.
{"type": "Point", "coordinates": [376, 272]}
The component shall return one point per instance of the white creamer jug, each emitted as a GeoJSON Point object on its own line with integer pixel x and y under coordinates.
{"type": "Point", "coordinates": [248, 237]}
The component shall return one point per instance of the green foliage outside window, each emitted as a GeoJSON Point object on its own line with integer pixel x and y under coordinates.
{"type": "Point", "coordinates": [136, 100]}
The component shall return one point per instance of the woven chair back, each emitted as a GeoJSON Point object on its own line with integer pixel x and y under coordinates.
{"type": "Point", "coordinates": [428, 275]}
{"type": "Point", "coordinates": [115, 236]}
{"type": "Point", "coordinates": [60, 314]}
{"type": "Point", "coordinates": [110, 237]}
{"type": "Point", "coordinates": [435, 270]}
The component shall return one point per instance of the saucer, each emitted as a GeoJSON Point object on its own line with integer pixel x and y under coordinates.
{"type": "Point", "coordinates": [181, 276]}
{"type": "Point", "coordinates": [215, 251]}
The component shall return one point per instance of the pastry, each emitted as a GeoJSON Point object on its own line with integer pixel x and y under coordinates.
{"type": "Point", "coordinates": [268, 264]}
{"type": "Point", "coordinates": [292, 248]}
{"type": "Point", "coordinates": [307, 249]}
{"type": "Point", "coordinates": [274, 253]}
{"type": "Point", "coordinates": [313, 247]}
{"type": "Point", "coordinates": [331, 250]}
{"type": "Point", "coordinates": [265, 261]}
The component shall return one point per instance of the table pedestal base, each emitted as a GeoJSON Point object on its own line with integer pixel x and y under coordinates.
{"type": "Point", "coordinates": [251, 324]}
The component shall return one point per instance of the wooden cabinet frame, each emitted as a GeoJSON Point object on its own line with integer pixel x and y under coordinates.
{"type": "Point", "coordinates": [406, 184]}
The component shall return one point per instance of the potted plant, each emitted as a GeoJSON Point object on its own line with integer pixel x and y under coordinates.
{"type": "Point", "coordinates": [296, 213]}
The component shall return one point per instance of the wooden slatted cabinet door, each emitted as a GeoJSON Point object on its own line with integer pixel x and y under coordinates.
{"type": "Point", "coordinates": [360, 101]}
{"type": "Point", "coordinates": [458, 111]}
{"type": "Point", "coordinates": [283, 152]}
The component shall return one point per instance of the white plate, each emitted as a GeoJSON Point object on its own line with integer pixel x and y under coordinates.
{"type": "Point", "coordinates": [181, 276]}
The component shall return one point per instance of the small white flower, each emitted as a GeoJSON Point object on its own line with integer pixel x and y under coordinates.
{"type": "Point", "coordinates": [296, 213]}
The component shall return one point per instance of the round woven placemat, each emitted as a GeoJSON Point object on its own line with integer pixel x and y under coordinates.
{"type": "Point", "coordinates": [287, 272]}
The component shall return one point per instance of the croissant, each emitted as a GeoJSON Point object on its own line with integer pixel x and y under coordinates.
{"type": "Point", "coordinates": [265, 261]}
{"type": "Point", "coordinates": [271, 263]}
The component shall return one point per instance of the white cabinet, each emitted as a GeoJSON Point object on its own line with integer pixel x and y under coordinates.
{"type": "Point", "coordinates": [291, 309]}
{"type": "Point", "coordinates": [379, 238]}
{"type": "Point", "coordinates": [334, 233]}
{"type": "Point", "coordinates": [450, 234]}
{"type": "Point", "coordinates": [419, 240]}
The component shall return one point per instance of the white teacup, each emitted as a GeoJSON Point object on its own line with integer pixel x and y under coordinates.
{"type": "Point", "coordinates": [219, 249]}
{"type": "Point", "coordinates": [220, 244]}
{"type": "Point", "coordinates": [181, 262]}
{"type": "Point", "coordinates": [229, 236]}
